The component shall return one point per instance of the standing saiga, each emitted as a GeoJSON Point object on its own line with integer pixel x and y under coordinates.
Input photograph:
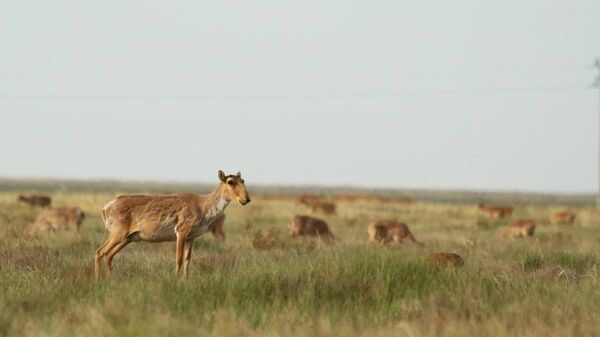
{"type": "Point", "coordinates": [177, 217]}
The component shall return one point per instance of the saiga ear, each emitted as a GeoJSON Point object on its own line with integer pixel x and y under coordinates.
{"type": "Point", "coordinates": [238, 174]}
{"type": "Point", "coordinates": [221, 176]}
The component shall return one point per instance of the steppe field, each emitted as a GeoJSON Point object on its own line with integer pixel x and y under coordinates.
{"type": "Point", "coordinates": [251, 285]}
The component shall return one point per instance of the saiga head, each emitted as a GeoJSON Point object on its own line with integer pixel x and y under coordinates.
{"type": "Point", "coordinates": [234, 187]}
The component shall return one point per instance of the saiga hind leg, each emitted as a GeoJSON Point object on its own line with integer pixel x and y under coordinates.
{"type": "Point", "coordinates": [113, 252]}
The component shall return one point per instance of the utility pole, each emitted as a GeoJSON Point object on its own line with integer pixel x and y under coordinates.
{"type": "Point", "coordinates": [597, 85]}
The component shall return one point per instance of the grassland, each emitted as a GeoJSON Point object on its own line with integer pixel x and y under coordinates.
{"type": "Point", "coordinates": [544, 286]}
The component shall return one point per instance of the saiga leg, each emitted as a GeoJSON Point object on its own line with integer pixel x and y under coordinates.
{"type": "Point", "coordinates": [181, 238]}
{"type": "Point", "coordinates": [188, 256]}
{"type": "Point", "coordinates": [104, 251]}
{"type": "Point", "coordinates": [100, 252]}
{"type": "Point", "coordinates": [113, 252]}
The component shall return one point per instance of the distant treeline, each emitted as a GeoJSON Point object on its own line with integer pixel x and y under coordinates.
{"type": "Point", "coordinates": [445, 196]}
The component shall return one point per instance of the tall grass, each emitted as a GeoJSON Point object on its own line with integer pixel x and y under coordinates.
{"type": "Point", "coordinates": [544, 286]}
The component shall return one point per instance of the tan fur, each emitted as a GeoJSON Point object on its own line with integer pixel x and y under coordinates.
{"type": "Point", "coordinates": [176, 217]}
{"type": "Point", "coordinates": [496, 212]}
{"type": "Point", "coordinates": [386, 231]}
{"type": "Point", "coordinates": [53, 219]}
{"type": "Point", "coordinates": [444, 259]}
{"type": "Point", "coordinates": [566, 217]}
{"type": "Point", "coordinates": [324, 207]}
{"type": "Point", "coordinates": [520, 229]}
{"type": "Point", "coordinates": [305, 225]}
{"type": "Point", "coordinates": [316, 204]}
{"type": "Point", "coordinates": [35, 200]}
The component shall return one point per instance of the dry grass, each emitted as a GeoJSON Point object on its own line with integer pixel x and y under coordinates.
{"type": "Point", "coordinates": [261, 283]}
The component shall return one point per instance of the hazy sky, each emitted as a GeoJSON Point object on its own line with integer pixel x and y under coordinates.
{"type": "Point", "coordinates": [444, 94]}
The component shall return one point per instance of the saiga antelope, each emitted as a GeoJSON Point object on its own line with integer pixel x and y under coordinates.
{"type": "Point", "coordinates": [566, 217]}
{"type": "Point", "coordinates": [56, 219]}
{"type": "Point", "coordinates": [385, 231]}
{"type": "Point", "coordinates": [179, 217]}
{"type": "Point", "coordinates": [496, 212]}
{"type": "Point", "coordinates": [445, 259]}
{"type": "Point", "coordinates": [316, 204]}
{"type": "Point", "coordinates": [323, 206]}
{"type": "Point", "coordinates": [520, 229]}
{"type": "Point", "coordinates": [305, 225]}
{"type": "Point", "coordinates": [35, 200]}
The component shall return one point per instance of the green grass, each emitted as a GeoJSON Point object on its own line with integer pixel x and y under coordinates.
{"type": "Point", "coordinates": [542, 286]}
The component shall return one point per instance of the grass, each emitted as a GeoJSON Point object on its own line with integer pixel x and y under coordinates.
{"type": "Point", "coordinates": [251, 286]}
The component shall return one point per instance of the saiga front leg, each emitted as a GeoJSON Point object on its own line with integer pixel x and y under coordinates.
{"type": "Point", "coordinates": [181, 238]}
{"type": "Point", "coordinates": [188, 256]}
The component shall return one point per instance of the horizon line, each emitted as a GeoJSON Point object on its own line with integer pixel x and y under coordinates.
{"type": "Point", "coordinates": [303, 186]}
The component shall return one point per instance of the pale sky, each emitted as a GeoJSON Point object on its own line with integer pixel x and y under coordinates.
{"type": "Point", "coordinates": [454, 94]}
